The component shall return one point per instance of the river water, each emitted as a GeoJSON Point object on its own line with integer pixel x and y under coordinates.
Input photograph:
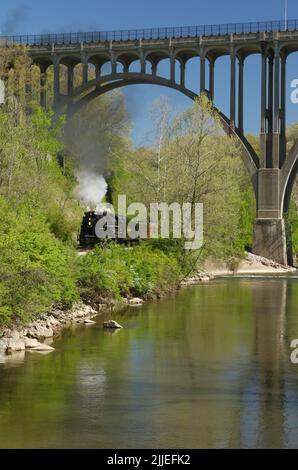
{"type": "Point", "coordinates": [207, 368]}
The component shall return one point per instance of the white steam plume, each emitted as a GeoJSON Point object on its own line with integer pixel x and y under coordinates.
{"type": "Point", "coordinates": [91, 189]}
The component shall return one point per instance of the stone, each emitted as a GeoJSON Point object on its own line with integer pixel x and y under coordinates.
{"type": "Point", "coordinates": [78, 314]}
{"type": "Point", "coordinates": [204, 278]}
{"type": "Point", "coordinates": [52, 322]}
{"type": "Point", "coordinates": [136, 301]}
{"type": "Point", "coordinates": [111, 324]}
{"type": "Point", "coordinates": [57, 314]}
{"type": "Point", "coordinates": [42, 348]}
{"type": "Point", "coordinates": [31, 343]}
{"type": "Point", "coordinates": [89, 310]}
{"type": "Point", "coordinates": [40, 332]}
{"type": "Point", "coordinates": [87, 321]}
{"type": "Point", "coordinates": [13, 334]}
{"type": "Point", "coordinates": [3, 345]}
{"type": "Point", "coordinates": [15, 345]}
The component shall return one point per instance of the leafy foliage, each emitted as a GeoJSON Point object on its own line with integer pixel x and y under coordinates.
{"type": "Point", "coordinates": [117, 271]}
{"type": "Point", "coordinates": [36, 270]}
{"type": "Point", "coordinates": [193, 146]}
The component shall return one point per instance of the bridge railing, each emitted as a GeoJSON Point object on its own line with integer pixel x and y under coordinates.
{"type": "Point", "coordinates": [150, 33]}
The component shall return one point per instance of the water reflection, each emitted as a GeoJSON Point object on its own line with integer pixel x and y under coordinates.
{"type": "Point", "coordinates": [207, 368]}
{"type": "Point", "coordinates": [15, 359]}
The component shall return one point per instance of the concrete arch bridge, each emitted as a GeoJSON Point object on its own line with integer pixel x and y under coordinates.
{"type": "Point", "coordinates": [272, 172]}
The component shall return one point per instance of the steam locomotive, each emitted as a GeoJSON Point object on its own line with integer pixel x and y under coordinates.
{"type": "Point", "coordinates": [113, 225]}
{"type": "Point", "coordinates": [112, 228]}
{"type": "Point", "coordinates": [88, 237]}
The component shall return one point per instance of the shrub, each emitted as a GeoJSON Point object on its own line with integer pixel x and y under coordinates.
{"type": "Point", "coordinates": [36, 270]}
{"type": "Point", "coordinates": [119, 271]}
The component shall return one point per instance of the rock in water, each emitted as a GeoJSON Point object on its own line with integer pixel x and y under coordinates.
{"type": "Point", "coordinates": [135, 302]}
{"type": "Point", "coordinates": [31, 343]}
{"type": "Point", "coordinates": [42, 348]}
{"type": "Point", "coordinates": [111, 324]}
{"type": "Point", "coordinates": [15, 345]}
{"type": "Point", "coordinates": [89, 322]}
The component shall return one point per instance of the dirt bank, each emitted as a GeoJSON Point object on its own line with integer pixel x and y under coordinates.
{"type": "Point", "coordinates": [251, 264]}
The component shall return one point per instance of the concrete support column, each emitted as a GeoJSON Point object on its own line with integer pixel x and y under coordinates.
{"type": "Point", "coordinates": [270, 95]}
{"type": "Point", "coordinates": [143, 65]}
{"type": "Point", "coordinates": [211, 79]}
{"type": "Point", "coordinates": [154, 69]}
{"type": "Point", "coordinates": [202, 73]}
{"type": "Point", "coordinates": [270, 240]}
{"type": "Point", "coordinates": [113, 62]}
{"type": "Point", "coordinates": [56, 81]}
{"type": "Point", "coordinates": [85, 71]}
{"type": "Point", "coordinates": [269, 115]}
{"type": "Point", "coordinates": [182, 73]}
{"type": "Point", "coordinates": [233, 91]}
{"type": "Point", "coordinates": [276, 127]}
{"type": "Point", "coordinates": [263, 111]}
{"type": "Point", "coordinates": [172, 65]}
{"type": "Point", "coordinates": [269, 230]}
{"type": "Point", "coordinates": [97, 71]}
{"type": "Point", "coordinates": [268, 197]}
{"type": "Point", "coordinates": [43, 86]}
{"type": "Point", "coordinates": [240, 95]}
{"type": "Point", "coordinates": [283, 143]}
{"type": "Point", "coordinates": [70, 75]}
{"type": "Point", "coordinates": [263, 94]}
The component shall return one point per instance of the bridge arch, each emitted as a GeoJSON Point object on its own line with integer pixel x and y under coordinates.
{"type": "Point", "coordinates": [273, 171]}
{"type": "Point", "coordinates": [289, 172]}
{"type": "Point", "coordinates": [86, 93]}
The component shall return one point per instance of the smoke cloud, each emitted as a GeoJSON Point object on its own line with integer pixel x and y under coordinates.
{"type": "Point", "coordinates": [16, 17]}
{"type": "Point", "coordinates": [91, 189]}
{"type": "Point", "coordinates": [92, 135]}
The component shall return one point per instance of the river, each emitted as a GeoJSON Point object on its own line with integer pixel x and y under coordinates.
{"type": "Point", "coordinates": [207, 368]}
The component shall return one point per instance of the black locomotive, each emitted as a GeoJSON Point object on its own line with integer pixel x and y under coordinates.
{"type": "Point", "coordinates": [88, 237]}
{"type": "Point", "coordinates": [112, 228]}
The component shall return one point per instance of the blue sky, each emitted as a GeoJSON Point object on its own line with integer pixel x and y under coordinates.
{"type": "Point", "coordinates": [35, 16]}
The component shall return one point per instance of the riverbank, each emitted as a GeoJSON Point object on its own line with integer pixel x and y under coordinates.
{"type": "Point", "coordinates": [38, 334]}
{"type": "Point", "coordinates": [251, 264]}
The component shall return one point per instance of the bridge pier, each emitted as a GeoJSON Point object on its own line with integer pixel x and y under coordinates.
{"type": "Point", "coordinates": [241, 95]}
{"type": "Point", "coordinates": [211, 78]}
{"type": "Point", "coordinates": [43, 87]}
{"type": "Point", "coordinates": [269, 238]}
{"type": "Point", "coordinates": [70, 78]}
{"type": "Point", "coordinates": [56, 81]}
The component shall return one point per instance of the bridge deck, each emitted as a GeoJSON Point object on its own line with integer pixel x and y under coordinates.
{"type": "Point", "coordinates": [219, 30]}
